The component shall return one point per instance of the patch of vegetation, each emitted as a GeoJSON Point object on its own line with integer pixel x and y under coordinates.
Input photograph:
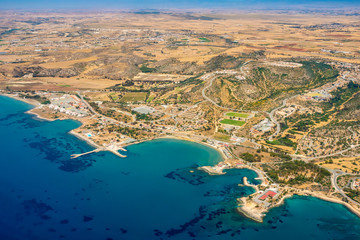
{"type": "Point", "coordinates": [232, 122]}
{"type": "Point", "coordinates": [134, 97]}
{"type": "Point", "coordinates": [239, 115]}
{"type": "Point", "coordinates": [283, 156]}
{"type": "Point", "coordinates": [298, 172]}
{"type": "Point", "coordinates": [42, 100]}
{"type": "Point", "coordinates": [303, 125]}
{"type": "Point", "coordinates": [223, 62]}
{"type": "Point", "coordinates": [343, 94]}
{"type": "Point", "coordinates": [146, 69]}
{"type": "Point", "coordinates": [149, 100]}
{"type": "Point", "coordinates": [284, 141]}
{"type": "Point", "coordinates": [320, 72]}
{"type": "Point", "coordinates": [135, 133]}
{"type": "Point", "coordinates": [202, 39]}
{"type": "Point", "coordinates": [149, 54]}
{"type": "Point", "coordinates": [192, 80]}
{"type": "Point", "coordinates": [254, 54]}
{"type": "Point", "coordinates": [128, 83]}
{"type": "Point", "coordinates": [9, 31]}
{"type": "Point", "coordinates": [142, 116]}
{"type": "Point", "coordinates": [275, 83]}
{"type": "Point", "coordinates": [221, 136]}
{"type": "Point", "coordinates": [351, 109]}
{"type": "Point", "coordinates": [114, 97]}
{"type": "Point", "coordinates": [250, 157]}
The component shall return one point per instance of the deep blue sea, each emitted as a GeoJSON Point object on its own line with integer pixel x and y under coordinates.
{"type": "Point", "coordinates": [155, 193]}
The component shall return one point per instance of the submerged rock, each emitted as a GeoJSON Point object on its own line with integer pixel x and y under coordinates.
{"type": "Point", "coordinates": [87, 219]}
{"type": "Point", "coordinates": [33, 207]}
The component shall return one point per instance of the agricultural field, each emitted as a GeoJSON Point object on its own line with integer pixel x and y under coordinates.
{"type": "Point", "coordinates": [134, 97]}
{"type": "Point", "coordinates": [99, 96]}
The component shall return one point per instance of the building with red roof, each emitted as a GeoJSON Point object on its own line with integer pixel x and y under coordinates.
{"type": "Point", "coordinates": [267, 194]}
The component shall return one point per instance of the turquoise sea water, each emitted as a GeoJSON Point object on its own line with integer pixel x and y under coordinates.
{"type": "Point", "coordinates": [154, 193]}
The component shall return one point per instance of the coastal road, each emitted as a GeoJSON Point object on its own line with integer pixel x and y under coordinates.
{"type": "Point", "coordinates": [262, 175]}
{"type": "Point", "coordinates": [334, 176]}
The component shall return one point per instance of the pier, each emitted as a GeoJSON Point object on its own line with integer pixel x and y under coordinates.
{"type": "Point", "coordinates": [246, 183]}
{"type": "Point", "coordinates": [86, 153]}
{"type": "Point", "coordinates": [122, 149]}
{"type": "Point", "coordinates": [115, 152]}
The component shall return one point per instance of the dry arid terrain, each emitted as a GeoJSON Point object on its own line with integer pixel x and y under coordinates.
{"type": "Point", "coordinates": [86, 50]}
{"type": "Point", "coordinates": [277, 91]}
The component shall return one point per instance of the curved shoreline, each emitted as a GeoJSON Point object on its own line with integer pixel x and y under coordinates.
{"type": "Point", "coordinates": [36, 104]}
{"type": "Point", "coordinates": [334, 200]}
{"type": "Point", "coordinates": [239, 209]}
{"type": "Point", "coordinates": [262, 212]}
{"type": "Point", "coordinates": [223, 157]}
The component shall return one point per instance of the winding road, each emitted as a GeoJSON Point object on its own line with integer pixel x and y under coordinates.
{"type": "Point", "coordinates": [213, 77]}
{"type": "Point", "coordinates": [273, 119]}
{"type": "Point", "coordinates": [334, 176]}
{"type": "Point", "coordinates": [325, 156]}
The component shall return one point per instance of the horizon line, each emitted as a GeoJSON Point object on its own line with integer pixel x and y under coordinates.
{"type": "Point", "coordinates": [132, 9]}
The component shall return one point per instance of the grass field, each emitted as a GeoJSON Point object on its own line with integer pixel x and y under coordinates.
{"type": "Point", "coordinates": [202, 39]}
{"type": "Point", "coordinates": [222, 137]}
{"type": "Point", "coordinates": [232, 122]}
{"type": "Point", "coordinates": [240, 115]}
{"type": "Point", "coordinates": [150, 99]}
{"type": "Point", "coordinates": [134, 97]}
{"type": "Point", "coordinates": [114, 97]}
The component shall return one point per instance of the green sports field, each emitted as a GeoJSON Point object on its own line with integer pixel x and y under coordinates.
{"type": "Point", "coordinates": [232, 122]}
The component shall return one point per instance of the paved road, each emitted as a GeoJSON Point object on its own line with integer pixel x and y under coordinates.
{"type": "Point", "coordinates": [87, 104]}
{"type": "Point", "coordinates": [213, 77]}
{"type": "Point", "coordinates": [271, 114]}
{"type": "Point", "coordinates": [126, 113]}
{"type": "Point", "coordinates": [325, 156]}
{"type": "Point", "coordinates": [103, 116]}
{"type": "Point", "coordinates": [273, 119]}
{"type": "Point", "coordinates": [204, 90]}
{"type": "Point", "coordinates": [334, 176]}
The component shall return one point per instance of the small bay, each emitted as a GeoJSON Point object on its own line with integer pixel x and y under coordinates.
{"type": "Point", "coordinates": [155, 193]}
